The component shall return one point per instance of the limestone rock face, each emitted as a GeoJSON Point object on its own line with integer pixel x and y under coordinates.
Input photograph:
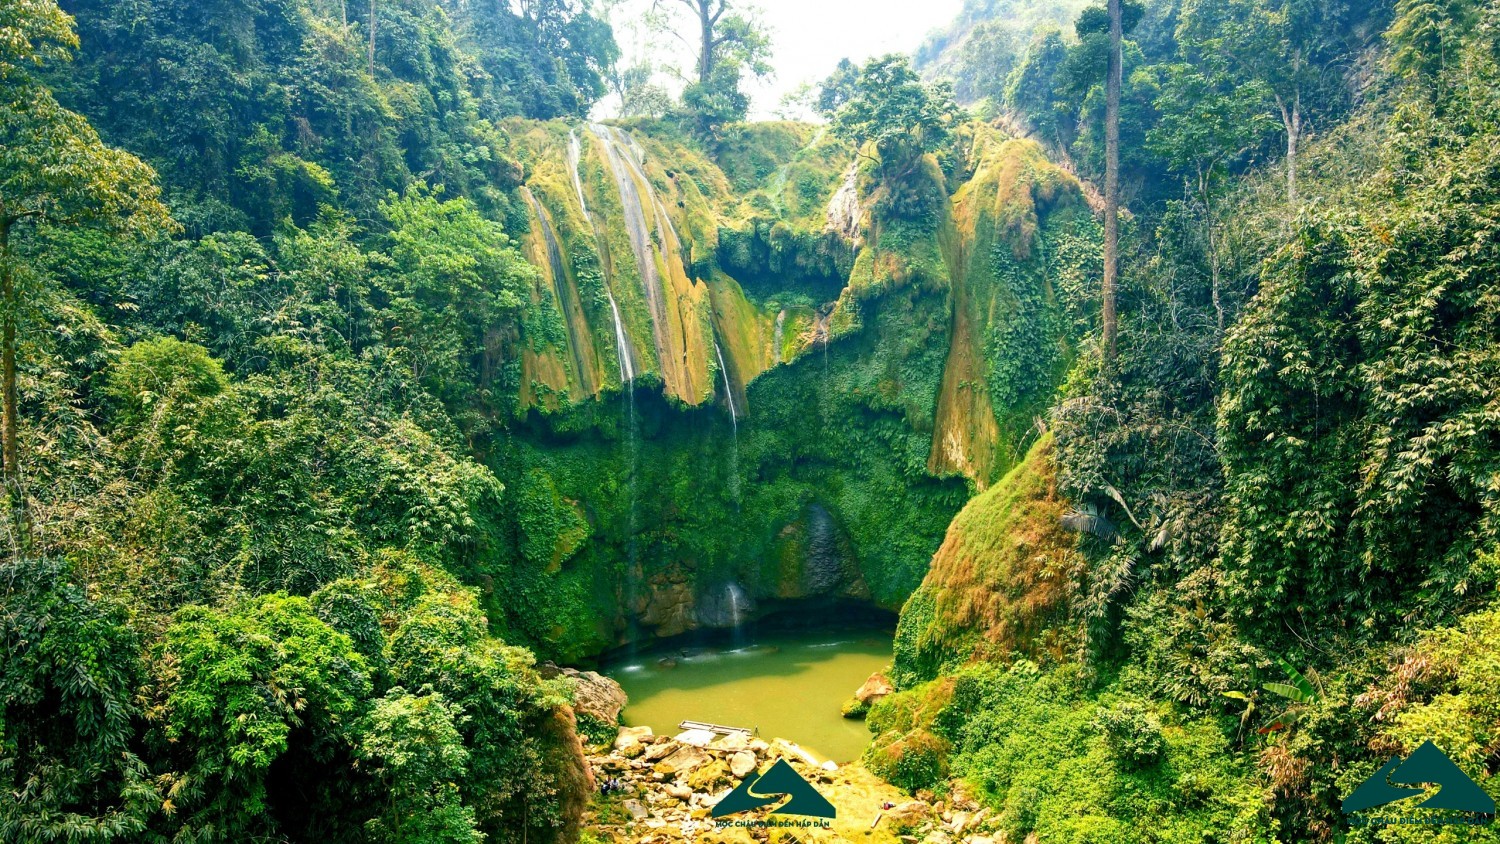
{"type": "Point", "coordinates": [1000, 581]}
{"type": "Point", "coordinates": [668, 605]}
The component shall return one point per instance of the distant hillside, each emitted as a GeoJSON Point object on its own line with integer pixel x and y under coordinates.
{"type": "Point", "coordinates": [979, 49]}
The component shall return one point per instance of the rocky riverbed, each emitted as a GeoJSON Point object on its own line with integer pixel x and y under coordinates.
{"type": "Point", "coordinates": [664, 788]}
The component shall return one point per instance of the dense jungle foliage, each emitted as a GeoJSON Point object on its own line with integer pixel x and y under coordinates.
{"type": "Point", "coordinates": [334, 400]}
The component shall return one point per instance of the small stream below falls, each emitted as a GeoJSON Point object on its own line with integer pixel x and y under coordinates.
{"type": "Point", "coordinates": [790, 684]}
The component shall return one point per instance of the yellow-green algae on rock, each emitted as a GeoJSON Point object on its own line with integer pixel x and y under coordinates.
{"type": "Point", "coordinates": [638, 218]}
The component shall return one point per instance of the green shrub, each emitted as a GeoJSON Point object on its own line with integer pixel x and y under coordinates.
{"type": "Point", "coordinates": [1132, 733]}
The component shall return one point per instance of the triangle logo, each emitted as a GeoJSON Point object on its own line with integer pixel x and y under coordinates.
{"type": "Point", "coordinates": [1400, 778]}
{"type": "Point", "coordinates": [780, 780]}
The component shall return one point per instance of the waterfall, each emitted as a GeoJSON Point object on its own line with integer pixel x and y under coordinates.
{"type": "Point", "coordinates": [623, 350]}
{"type": "Point", "coordinates": [777, 338]}
{"type": "Point", "coordinates": [734, 604]}
{"type": "Point", "coordinates": [728, 391]}
{"type": "Point", "coordinates": [736, 612]}
{"type": "Point", "coordinates": [575, 157]}
{"type": "Point", "coordinates": [622, 342]}
{"type": "Point", "coordinates": [622, 165]}
{"type": "Point", "coordinates": [733, 468]}
{"type": "Point", "coordinates": [560, 288]}
{"type": "Point", "coordinates": [622, 345]}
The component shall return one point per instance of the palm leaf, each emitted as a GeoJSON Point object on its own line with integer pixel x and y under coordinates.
{"type": "Point", "coordinates": [1288, 691]}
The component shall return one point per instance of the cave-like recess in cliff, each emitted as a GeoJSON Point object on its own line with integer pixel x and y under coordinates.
{"type": "Point", "coordinates": [738, 375]}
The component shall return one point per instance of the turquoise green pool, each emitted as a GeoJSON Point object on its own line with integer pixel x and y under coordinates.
{"type": "Point", "coordinates": [788, 685]}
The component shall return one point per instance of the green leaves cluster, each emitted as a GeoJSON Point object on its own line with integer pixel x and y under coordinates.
{"type": "Point", "coordinates": [890, 107]}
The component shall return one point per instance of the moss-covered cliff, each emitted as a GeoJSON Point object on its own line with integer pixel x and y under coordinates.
{"type": "Point", "coordinates": [1001, 580]}
{"type": "Point", "coordinates": [767, 371]}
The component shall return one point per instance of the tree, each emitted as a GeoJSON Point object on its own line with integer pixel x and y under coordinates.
{"type": "Point", "coordinates": [727, 44]}
{"type": "Point", "coordinates": [889, 106]}
{"type": "Point", "coordinates": [1208, 123]}
{"type": "Point", "coordinates": [1029, 89]}
{"type": "Point", "coordinates": [419, 755]}
{"type": "Point", "coordinates": [838, 88]}
{"type": "Point", "coordinates": [67, 712]}
{"type": "Point", "coordinates": [1426, 35]}
{"type": "Point", "coordinates": [1285, 45]}
{"type": "Point", "coordinates": [1113, 85]}
{"type": "Point", "coordinates": [639, 95]}
{"type": "Point", "coordinates": [54, 171]}
{"type": "Point", "coordinates": [721, 34]}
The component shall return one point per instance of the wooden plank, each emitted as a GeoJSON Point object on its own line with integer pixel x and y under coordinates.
{"type": "Point", "coordinates": [715, 728]}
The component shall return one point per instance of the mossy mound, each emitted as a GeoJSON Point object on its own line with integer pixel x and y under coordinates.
{"type": "Point", "coordinates": [1000, 581]}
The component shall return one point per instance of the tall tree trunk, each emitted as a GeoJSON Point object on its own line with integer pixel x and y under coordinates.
{"type": "Point", "coordinates": [372, 39]}
{"type": "Point", "coordinates": [706, 57]}
{"type": "Point", "coordinates": [1113, 85]}
{"type": "Point", "coordinates": [9, 448]}
{"type": "Point", "coordinates": [1293, 137]}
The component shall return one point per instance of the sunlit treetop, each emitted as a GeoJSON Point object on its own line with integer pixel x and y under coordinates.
{"type": "Point", "coordinates": [32, 32]}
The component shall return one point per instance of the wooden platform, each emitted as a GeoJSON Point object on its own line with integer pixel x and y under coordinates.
{"type": "Point", "coordinates": [713, 728]}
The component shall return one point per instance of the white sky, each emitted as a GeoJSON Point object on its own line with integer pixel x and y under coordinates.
{"type": "Point", "coordinates": [808, 36]}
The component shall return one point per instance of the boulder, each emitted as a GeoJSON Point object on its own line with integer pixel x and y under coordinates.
{"type": "Point", "coordinates": [659, 751]}
{"type": "Point", "coordinates": [732, 742]}
{"type": "Point", "coordinates": [908, 815]}
{"type": "Point", "coordinates": [677, 791]}
{"type": "Point", "coordinates": [875, 688]}
{"type": "Point", "coordinates": [631, 741]}
{"type": "Point", "coordinates": [685, 760]}
{"type": "Point", "coordinates": [710, 776]}
{"type": "Point", "coordinates": [593, 694]}
{"type": "Point", "coordinates": [636, 809]}
{"type": "Point", "coordinates": [742, 763]}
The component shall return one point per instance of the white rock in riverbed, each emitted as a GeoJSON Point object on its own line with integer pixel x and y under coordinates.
{"type": "Point", "coordinates": [742, 763]}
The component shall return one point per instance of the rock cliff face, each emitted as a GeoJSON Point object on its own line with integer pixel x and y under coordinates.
{"type": "Point", "coordinates": [755, 378]}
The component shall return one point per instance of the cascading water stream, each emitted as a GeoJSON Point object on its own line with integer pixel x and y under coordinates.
{"type": "Point", "coordinates": [734, 421]}
{"type": "Point", "coordinates": [622, 343]}
{"type": "Point", "coordinates": [627, 178]}
{"type": "Point", "coordinates": [633, 575]}
{"type": "Point", "coordinates": [734, 416]}
{"type": "Point", "coordinates": [575, 158]}
{"type": "Point", "coordinates": [736, 614]}
{"type": "Point", "coordinates": [560, 288]}
{"type": "Point", "coordinates": [622, 346]}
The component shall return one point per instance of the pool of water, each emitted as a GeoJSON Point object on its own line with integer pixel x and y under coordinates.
{"type": "Point", "coordinates": [788, 685]}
